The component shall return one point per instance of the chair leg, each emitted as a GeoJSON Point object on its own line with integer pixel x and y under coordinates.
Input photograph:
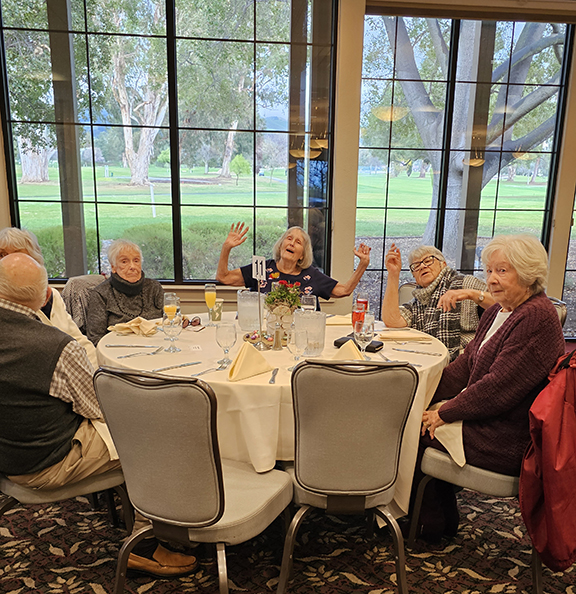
{"type": "Point", "coordinates": [370, 519]}
{"type": "Point", "coordinates": [414, 523]}
{"type": "Point", "coordinates": [287, 557]}
{"type": "Point", "coordinates": [126, 506]}
{"type": "Point", "coordinates": [123, 555]}
{"type": "Point", "coordinates": [7, 505]}
{"type": "Point", "coordinates": [398, 547]}
{"type": "Point", "coordinates": [537, 585]}
{"type": "Point", "coordinates": [110, 504]}
{"type": "Point", "coordinates": [222, 569]}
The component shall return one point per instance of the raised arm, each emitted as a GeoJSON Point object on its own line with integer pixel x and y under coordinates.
{"type": "Point", "coordinates": [345, 289]}
{"type": "Point", "coordinates": [236, 236]}
{"type": "Point", "coordinates": [390, 310]}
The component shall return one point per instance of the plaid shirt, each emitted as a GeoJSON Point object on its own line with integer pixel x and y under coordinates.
{"type": "Point", "coordinates": [72, 378]}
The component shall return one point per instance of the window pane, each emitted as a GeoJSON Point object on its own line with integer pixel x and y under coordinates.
{"type": "Point", "coordinates": [225, 19]}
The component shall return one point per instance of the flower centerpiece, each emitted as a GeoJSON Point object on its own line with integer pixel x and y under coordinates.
{"type": "Point", "coordinates": [281, 302]}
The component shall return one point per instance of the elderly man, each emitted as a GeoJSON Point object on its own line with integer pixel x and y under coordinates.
{"type": "Point", "coordinates": [48, 405]}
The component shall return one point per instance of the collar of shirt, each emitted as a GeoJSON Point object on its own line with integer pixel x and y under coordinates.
{"type": "Point", "coordinates": [18, 308]}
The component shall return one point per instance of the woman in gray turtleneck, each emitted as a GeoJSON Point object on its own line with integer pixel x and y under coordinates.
{"type": "Point", "coordinates": [126, 295]}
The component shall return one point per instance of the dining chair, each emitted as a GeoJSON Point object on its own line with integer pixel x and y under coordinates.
{"type": "Point", "coordinates": [439, 465]}
{"type": "Point", "coordinates": [349, 422]}
{"type": "Point", "coordinates": [405, 292]}
{"type": "Point", "coordinates": [113, 479]}
{"type": "Point", "coordinates": [164, 429]}
{"type": "Point", "coordinates": [76, 296]}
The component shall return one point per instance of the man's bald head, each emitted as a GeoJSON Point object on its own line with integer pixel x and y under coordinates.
{"type": "Point", "coordinates": [23, 280]}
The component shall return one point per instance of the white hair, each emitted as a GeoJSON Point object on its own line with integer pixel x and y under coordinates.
{"type": "Point", "coordinates": [425, 250]}
{"type": "Point", "coordinates": [526, 255]}
{"type": "Point", "coordinates": [29, 291]}
{"type": "Point", "coordinates": [13, 240]}
{"type": "Point", "coordinates": [119, 246]}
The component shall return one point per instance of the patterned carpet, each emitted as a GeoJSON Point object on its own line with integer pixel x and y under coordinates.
{"type": "Point", "coordinates": [68, 548]}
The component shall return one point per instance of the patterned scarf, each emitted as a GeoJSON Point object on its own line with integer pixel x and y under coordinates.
{"type": "Point", "coordinates": [445, 326]}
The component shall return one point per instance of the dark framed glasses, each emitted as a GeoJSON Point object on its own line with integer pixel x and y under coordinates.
{"type": "Point", "coordinates": [427, 261]}
{"type": "Point", "coordinates": [195, 321]}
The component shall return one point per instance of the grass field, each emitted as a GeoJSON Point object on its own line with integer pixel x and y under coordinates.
{"type": "Point", "coordinates": [399, 206]}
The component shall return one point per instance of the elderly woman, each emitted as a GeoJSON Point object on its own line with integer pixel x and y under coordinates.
{"type": "Point", "coordinates": [445, 303]}
{"type": "Point", "coordinates": [126, 295]}
{"type": "Point", "coordinates": [292, 262]}
{"type": "Point", "coordinates": [53, 312]}
{"type": "Point", "coordinates": [492, 385]}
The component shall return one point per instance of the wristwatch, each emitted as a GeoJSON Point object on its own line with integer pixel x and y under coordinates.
{"type": "Point", "coordinates": [481, 297]}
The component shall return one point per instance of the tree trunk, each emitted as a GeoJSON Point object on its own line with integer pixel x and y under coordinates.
{"type": "Point", "coordinates": [535, 172]}
{"type": "Point", "coordinates": [228, 151]}
{"type": "Point", "coordinates": [34, 162]}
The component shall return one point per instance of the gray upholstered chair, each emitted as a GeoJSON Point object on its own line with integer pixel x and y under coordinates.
{"type": "Point", "coordinates": [164, 429]}
{"type": "Point", "coordinates": [76, 296]}
{"type": "Point", "coordinates": [437, 464]}
{"type": "Point", "coordinates": [113, 479]}
{"type": "Point", "coordinates": [405, 292]}
{"type": "Point", "coordinates": [349, 418]}
{"type": "Point", "coordinates": [560, 308]}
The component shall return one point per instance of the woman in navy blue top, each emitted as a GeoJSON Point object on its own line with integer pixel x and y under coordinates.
{"type": "Point", "coordinates": [292, 262]}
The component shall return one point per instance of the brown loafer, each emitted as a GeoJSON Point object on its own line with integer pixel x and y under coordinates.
{"type": "Point", "coordinates": [164, 563]}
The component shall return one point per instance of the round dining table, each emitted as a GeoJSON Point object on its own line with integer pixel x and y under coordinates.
{"type": "Point", "coordinates": [255, 418]}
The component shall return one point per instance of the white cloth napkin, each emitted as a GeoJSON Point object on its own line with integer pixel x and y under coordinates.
{"type": "Point", "coordinates": [348, 351]}
{"type": "Point", "coordinates": [247, 363]}
{"type": "Point", "coordinates": [138, 326]}
{"type": "Point", "coordinates": [450, 436]}
{"type": "Point", "coordinates": [339, 320]}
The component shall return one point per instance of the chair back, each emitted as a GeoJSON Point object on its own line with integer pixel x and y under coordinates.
{"type": "Point", "coordinates": [76, 296]}
{"type": "Point", "coordinates": [561, 309]}
{"type": "Point", "coordinates": [405, 292]}
{"type": "Point", "coordinates": [164, 429]}
{"type": "Point", "coordinates": [349, 421]}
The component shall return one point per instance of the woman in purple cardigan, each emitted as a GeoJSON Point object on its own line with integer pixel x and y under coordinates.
{"type": "Point", "coordinates": [491, 386]}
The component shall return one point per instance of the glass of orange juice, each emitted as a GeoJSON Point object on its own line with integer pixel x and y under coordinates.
{"type": "Point", "coordinates": [210, 298]}
{"type": "Point", "coordinates": [171, 305]}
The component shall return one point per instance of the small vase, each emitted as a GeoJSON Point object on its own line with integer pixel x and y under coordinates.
{"type": "Point", "coordinates": [280, 314]}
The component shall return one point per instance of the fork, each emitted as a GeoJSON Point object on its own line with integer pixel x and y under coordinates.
{"type": "Point", "coordinates": [141, 354]}
{"type": "Point", "coordinates": [221, 368]}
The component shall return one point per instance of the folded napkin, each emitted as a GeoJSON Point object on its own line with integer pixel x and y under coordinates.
{"type": "Point", "coordinates": [403, 335]}
{"type": "Point", "coordinates": [348, 351]}
{"type": "Point", "coordinates": [247, 363]}
{"type": "Point", "coordinates": [450, 436]}
{"type": "Point", "coordinates": [339, 320]}
{"type": "Point", "coordinates": [138, 326]}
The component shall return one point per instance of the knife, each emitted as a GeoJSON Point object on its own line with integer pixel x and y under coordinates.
{"type": "Point", "coordinates": [418, 352]}
{"type": "Point", "coordinates": [176, 366]}
{"type": "Point", "coordinates": [131, 346]}
{"type": "Point", "coordinates": [272, 379]}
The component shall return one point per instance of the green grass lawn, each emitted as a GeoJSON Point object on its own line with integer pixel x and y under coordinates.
{"type": "Point", "coordinates": [206, 199]}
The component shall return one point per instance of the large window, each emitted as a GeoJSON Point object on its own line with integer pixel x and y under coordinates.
{"type": "Point", "coordinates": [163, 123]}
{"type": "Point", "coordinates": [458, 135]}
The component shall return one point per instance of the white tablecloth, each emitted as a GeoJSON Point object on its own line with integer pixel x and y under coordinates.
{"type": "Point", "coordinates": [255, 418]}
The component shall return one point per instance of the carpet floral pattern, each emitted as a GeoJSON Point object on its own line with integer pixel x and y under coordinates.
{"type": "Point", "coordinates": [68, 548]}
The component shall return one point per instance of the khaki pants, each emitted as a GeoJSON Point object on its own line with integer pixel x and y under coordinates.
{"type": "Point", "coordinates": [89, 456]}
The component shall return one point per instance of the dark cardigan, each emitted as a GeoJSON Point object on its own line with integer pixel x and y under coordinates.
{"type": "Point", "coordinates": [502, 380]}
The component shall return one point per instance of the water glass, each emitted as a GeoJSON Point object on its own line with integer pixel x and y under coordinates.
{"type": "Point", "coordinates": [314, 322]}
{"type": "Point", "coordinates": [364, 333]}
{"type": "Point", "coordinates": [308, 302]}
{"type": "Point", "coordinates": [172, 328]}
{"type": "Point", "coordinates": [226, 339]}
{"type": "Point", "coordinates": [297, 341]}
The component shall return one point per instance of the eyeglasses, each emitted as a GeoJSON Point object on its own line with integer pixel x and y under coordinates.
{"type": "Point", "coordinates": [195, 321]}
{"type": "Point", "coordinates": [427, 261]}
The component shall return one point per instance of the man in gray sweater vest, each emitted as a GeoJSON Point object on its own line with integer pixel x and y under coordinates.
{"type": "Point", "coordinates": [48, 407]}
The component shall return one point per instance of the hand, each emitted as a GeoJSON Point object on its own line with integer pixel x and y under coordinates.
{"type": "Point", "coordinates": [449, 300]}
{"type": "Point", "coordinates": [393, 260]}
{"type": "Point", "coordinates": [430, 422]}
{"type": "Point", "coordinates": [236, 236]}
{"type": "Point", "coordinates": [363, 252]}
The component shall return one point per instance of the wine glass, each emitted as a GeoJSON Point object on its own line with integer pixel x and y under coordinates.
{"type": "Point", "coordinates": [172, 328]}
{"type": "Point", "coordinates": [364, 333]}
{"type": "Point", "coordinates": [297, 342]}
{"type": "Point", "coordinates": [171, 306]}
{"type": "Point", "coordinates": [226, 338]}
{"type": "Point", "coordinates": [210, 298]}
